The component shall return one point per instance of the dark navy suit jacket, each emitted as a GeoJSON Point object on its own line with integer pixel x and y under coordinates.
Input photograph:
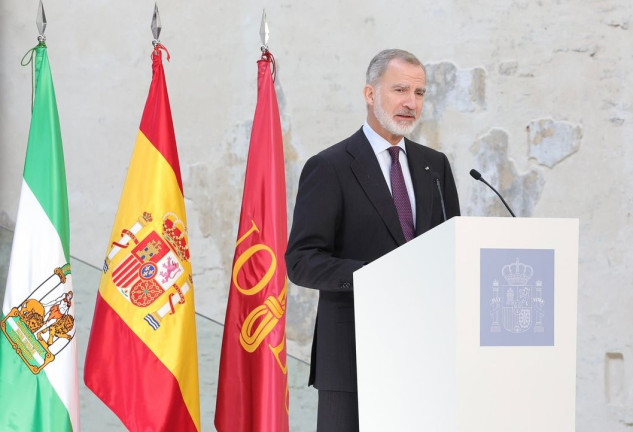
{"type": "Point", "coordinates": [344, 218]}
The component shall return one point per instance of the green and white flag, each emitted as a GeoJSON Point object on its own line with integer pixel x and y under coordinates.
{"type": "Point", "coordinates": [38, 358]}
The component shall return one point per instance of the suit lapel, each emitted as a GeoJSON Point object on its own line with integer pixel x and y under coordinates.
{"type": "Point", "coordinates": [421, 177]}
{"type": "Point", "coordinates": [365, 167]}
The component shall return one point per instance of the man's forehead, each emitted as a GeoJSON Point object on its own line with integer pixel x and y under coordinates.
{"type": "Point", "coordinates": [400, 70]}
{"type": "Point", "coordinates": [405, 82]}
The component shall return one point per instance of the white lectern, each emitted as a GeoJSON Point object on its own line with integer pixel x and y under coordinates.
{"type": "Point", "coordinates": [471, 327]}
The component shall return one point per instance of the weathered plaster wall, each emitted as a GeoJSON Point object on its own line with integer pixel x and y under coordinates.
{"type": "Point", "coordinates": [536, 95]}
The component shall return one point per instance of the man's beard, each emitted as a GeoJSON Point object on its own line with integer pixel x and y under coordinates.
{"type": "Point", "coordinates": [387, 121]}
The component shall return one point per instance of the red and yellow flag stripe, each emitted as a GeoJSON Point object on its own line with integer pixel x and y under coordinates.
{"type": "Point", "coordinates": [142, 355]}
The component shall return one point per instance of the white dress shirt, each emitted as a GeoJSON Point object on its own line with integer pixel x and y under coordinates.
{"type": "Point", "coordinates": [380, 146]}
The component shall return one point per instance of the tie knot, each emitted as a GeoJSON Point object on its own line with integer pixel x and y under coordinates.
{"type": "Point", "coordinates": [394, 151]}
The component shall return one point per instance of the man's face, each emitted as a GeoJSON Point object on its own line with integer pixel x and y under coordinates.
{"type": "Point", "coordinates": [395, 102]}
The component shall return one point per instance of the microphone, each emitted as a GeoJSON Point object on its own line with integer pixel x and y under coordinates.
{"type": "Point", "coordinates": [436, 180]}
{"type": "Point", "coordinates": [477, 176]}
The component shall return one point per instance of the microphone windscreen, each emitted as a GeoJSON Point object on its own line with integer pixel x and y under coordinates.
{"type": "Point", "coordinates": [475, 174]}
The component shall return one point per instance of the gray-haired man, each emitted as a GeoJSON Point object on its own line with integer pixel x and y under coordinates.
{"type": "Point", "coordinates": [357, 201]}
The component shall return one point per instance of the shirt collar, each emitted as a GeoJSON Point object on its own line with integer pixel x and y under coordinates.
{"type": "Point", "coordinates": [378, 143]}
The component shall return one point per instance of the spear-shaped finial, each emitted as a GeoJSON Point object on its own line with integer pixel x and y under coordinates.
{"type": "Point", "coordinates": [263, 32]}
{"type": "Point", "coordinates": [41, 22]}
{"type": "Point", "coordinates": [156, 25]}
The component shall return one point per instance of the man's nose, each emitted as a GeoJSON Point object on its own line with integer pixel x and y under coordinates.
{"type": "Point", "coordinates": [410, 101]}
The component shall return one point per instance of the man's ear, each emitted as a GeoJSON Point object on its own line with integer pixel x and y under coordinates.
{"type": "Point", "coordinates": [370, 94]}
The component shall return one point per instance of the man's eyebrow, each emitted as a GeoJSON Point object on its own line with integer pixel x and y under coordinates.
{"type": "Point", "coordinates": [407, 87]}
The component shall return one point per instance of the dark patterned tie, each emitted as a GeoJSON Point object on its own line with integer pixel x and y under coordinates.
{"type": "Point", "coordinates": [400, 195]}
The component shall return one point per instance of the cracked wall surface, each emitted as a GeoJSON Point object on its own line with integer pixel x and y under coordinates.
{"type": "Point", "coordinates": [537, 96]}
{"type": "Point", "coordinates": [449, 88]}
{"type": "Point", "coordinates": [521, 191]}
{"type": "Point", "coordinates": [551, 141]}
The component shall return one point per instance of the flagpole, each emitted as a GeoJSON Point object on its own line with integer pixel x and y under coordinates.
{"type": "Point", "coordinates": [264, 32]}
{"type": "Point", "coordinates": [156, 25]}
{"type": "Point", "coordinates": [253, 389]}
{"type": "Point", "coordinates": [145, 309]}
{"type": "Point", "coordinates": [40, 21]}
{"type": "Point", "coordinates": [38, 348]}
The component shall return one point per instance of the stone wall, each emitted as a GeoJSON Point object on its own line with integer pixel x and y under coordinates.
{"type": "Point", "coordinates": [536, 95]}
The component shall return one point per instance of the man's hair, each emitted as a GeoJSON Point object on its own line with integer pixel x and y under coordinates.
{"type": "Point", "coordinates": [378, 65]}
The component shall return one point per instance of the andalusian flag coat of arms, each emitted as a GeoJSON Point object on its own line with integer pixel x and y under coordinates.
{"type": "Point", "coordinates": [38, 359]}
{"type": "Point", "coordinates": [142, 358]}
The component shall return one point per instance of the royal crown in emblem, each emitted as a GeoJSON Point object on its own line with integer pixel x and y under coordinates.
{"type": "Point", "coordinates": [175, 233]}
{"type": "Point", "coordinates": [517, 273]}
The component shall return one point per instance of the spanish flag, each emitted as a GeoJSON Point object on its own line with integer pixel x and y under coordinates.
{"type": "Point", "coordinates": [142, 359]}
{"type": "Point", "coordinates": [253, 380]}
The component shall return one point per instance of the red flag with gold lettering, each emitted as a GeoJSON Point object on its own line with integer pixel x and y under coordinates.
{"type": "Point", "coordinates": [253, 382]}
{"type": "Point", "coordinates": [142, 358]}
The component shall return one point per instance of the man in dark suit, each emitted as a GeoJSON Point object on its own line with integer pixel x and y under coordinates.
{"type": "Point", "coordinates": [357, 201]}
